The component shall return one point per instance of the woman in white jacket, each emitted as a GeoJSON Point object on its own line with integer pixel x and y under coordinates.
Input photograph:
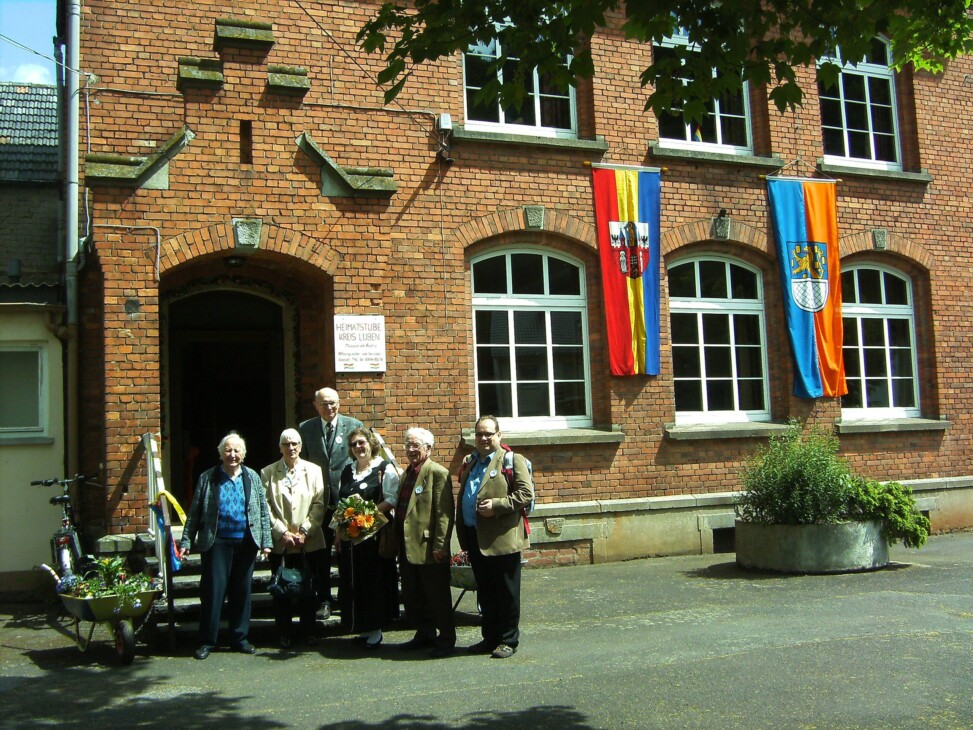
{"type": "Point", "coordinates": [296, 495]}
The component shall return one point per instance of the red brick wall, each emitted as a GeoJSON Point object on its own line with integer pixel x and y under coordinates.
{"type": "Point", "coordinates": [29, 231]}
{"type": "Point", "coordinates": [408, 257]}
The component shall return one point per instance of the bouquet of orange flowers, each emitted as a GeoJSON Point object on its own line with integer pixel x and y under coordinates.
{"type": "Point", "coordinates": [356, 519]}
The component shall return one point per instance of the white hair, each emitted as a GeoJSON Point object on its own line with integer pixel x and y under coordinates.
{"type": "Point", "coordinates": [424, 436]}
{"type": "Point", "coordinates": [232, 435]}
{"type": "Point", "coordinates": [329, 393]}
{"type": "Point", "coordinates": [290, 434]}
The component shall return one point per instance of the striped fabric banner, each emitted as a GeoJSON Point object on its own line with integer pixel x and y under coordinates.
{"type": "Point", "coordinates": [804, 217]}
{"type": "Point", "coordinates": [627, 220]}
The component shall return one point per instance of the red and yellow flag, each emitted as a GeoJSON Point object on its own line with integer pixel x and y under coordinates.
{"type": "Point", "coordinates": [627, 213]}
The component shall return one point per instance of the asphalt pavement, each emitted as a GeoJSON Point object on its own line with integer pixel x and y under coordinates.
{"type": "Point", "coordinates": [676, 642]}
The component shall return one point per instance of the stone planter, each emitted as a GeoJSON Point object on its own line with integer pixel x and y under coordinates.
{"type": "Point", "coordinates": [836, 548]}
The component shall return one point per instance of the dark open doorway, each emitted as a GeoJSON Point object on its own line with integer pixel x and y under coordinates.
{"type": "Point", "coordinates": [226, 373]}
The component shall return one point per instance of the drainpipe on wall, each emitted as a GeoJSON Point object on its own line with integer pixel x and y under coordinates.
{"type": "Point", "coordinates": [72, 78]}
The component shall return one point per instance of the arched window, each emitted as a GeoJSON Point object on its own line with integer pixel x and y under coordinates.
{"type": "Point", "coordinates": [719, 354]}
{"type": "Point", "coordinates": [530, 337]}
{"type": "Point", "coordinates": [881, 367]}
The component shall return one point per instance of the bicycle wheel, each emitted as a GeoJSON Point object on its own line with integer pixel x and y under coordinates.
{"type": "Point", "coordinates": [124, 640]}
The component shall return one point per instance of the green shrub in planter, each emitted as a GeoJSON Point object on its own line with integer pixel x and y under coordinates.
{"type": "Point", "coordinates": [798, 479]}
{"type": "Point", "coordinates": [893, 503]}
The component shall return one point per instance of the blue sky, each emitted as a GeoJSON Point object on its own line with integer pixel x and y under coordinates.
{"type": "Point", "coordinates": [29, 23]}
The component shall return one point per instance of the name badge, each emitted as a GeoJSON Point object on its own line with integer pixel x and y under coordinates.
{"type": "Point", "coordinates": [337, 439]}
{"type": "Point", "coordinates": [493, 473]}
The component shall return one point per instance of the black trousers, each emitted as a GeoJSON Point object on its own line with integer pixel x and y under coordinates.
{"type": "Point", "coordinates": [497, 592]}
{"type": "Point", "coordinates": [428, 601]}
{"type": "Point", "coordinates": [227, 572]}
{"type": "Point", "coordinates": [323, 564]}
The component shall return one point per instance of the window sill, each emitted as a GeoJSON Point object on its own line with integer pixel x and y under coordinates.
{"type": "Point", "coordinates": [704, 431]}
{"type": "Point", "coordinates": [555, 437]}
{"type": "Point", "coordinates": [831, 168]}
{"type": "Point", "coordinates": [13, 440]}
{"type": "Point", "coordinates": [892, 425]}
{"type": "Point", "coordinates": [721, 157]}
{"type": "Point", "coordinates": [461, 134]}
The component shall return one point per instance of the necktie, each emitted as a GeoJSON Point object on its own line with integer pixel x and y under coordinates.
{"type": "Point", "coordinates": [328, 437]}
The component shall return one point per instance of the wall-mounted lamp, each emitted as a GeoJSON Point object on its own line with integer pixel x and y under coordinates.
{"type": "Point", "coordinates": [444, 125]}
{"type": "Point", "coordinates": [234, 262]}
{"type": "Point", "coordinates": [721, 225]}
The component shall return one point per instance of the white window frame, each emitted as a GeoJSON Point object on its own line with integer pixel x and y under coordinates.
{"type": "Point", "coordinates": [859, 312]}
{"type": "Point", "coordinates": [700, 306]}
{"type": "Point", "coordinates": [866, 71]}
{"type": "Point", "coordinates": [688, 143]}
{"type": "Point", "coordinates": [512, 303]}
{"type": "Point", "coordinates": [42, 428]}
{"type": "Point", "coordinates": [537, 129]}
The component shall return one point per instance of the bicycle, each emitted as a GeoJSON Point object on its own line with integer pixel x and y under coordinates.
{"type": "Point", "coordinates": [66, 553]}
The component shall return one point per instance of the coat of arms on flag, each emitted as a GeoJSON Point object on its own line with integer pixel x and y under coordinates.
{"type": "Point", "coordinates": [627, 220]}
{"type": "Point", "coordinates": [631, 241]}
{"type": "Point", "coordinates": [804, 218]}
{"type": "Point", "coordinates": [809, 274]}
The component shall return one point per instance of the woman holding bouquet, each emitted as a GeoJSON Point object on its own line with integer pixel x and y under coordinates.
{"type": "Point", "coordinates": [362, 572]}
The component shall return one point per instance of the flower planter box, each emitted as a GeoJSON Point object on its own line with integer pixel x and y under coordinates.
{"type": "Point", "coordinates": [109, 608]}
{"type": "Point", "coordinates": [832, 548]}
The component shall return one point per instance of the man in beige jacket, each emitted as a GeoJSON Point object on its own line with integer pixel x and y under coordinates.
{"type": "Point", "coordinates": [490, 525]}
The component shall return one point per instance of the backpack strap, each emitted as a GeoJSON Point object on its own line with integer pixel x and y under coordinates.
{"type": "Point", "coordinates": [507, 469]}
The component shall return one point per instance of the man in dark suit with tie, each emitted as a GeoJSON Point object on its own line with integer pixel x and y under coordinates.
{"type": "Point", "coordinates": [325, 443]}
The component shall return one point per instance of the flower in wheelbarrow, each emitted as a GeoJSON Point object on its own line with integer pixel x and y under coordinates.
{"type": "Point", "coordinates": [137, 605]}
{"type": "Point", "coordinates": [67, 583]}
{"type": "Point", "coordinates": [110, 577]}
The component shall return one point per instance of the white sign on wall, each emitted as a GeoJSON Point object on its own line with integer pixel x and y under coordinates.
{"type": "Point", "coordinates": [359, 343]}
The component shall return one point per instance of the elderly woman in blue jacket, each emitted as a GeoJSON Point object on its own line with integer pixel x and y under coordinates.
{"type": "Point", "coordinates": [228, 524]}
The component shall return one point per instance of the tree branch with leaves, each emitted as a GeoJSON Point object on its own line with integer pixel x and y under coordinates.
{"type": "Point", "coordinates": [760, 41]}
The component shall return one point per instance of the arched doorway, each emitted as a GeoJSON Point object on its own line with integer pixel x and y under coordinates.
{"type": "Point", "coordinates": [225, 354]}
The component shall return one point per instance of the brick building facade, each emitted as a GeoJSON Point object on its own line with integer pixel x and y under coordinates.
{"type": "Point", "coordinates": [246, 184]}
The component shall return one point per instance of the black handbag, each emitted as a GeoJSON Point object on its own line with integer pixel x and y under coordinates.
{"type": "Point", "coordinates": [290, 583]}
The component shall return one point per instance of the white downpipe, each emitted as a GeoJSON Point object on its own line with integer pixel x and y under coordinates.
{"type": "Point", "coordinates": [72, 80]}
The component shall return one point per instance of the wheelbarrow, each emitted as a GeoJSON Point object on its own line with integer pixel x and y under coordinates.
{"type": "Point", "coordinates": [120, 613]}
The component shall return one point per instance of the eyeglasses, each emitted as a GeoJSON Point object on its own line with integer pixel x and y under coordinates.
{"type": "Point", "coordinates": [359, 442]}
{"type": "Point", "coordinates": [485, 434]}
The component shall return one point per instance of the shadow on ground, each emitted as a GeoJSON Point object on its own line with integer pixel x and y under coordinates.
{"type": "Point", "coordinates": [542, 717]}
